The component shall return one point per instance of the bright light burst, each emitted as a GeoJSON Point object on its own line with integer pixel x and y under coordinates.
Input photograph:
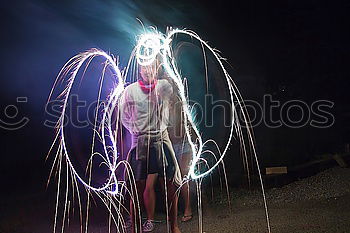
{"type": "Point", "coordinates": [149, 46]}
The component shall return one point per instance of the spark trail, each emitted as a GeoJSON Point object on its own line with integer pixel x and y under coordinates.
{"type": "Point", "coordinates": [149, 45]}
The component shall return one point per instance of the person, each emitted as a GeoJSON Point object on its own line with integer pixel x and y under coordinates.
{"type": "Point", "coordinates": [144, 112]}
{"type": "Point", "coordinates": [184, 154]}
{"type": "Point", "coordinates": [182, 150]}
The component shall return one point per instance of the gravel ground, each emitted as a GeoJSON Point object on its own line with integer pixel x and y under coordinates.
{"type": "Point", "coordinates": [331, 183]}
{"type": "Point", "coordinates": [316, 204]}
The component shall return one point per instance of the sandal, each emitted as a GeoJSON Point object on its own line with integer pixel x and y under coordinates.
{"type": "Point", "coordinates": [186, 218]}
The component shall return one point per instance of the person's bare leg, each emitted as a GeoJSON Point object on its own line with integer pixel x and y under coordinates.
{"type": "Point", "coordinates": [174, 207]}
{"type": "Point", "coordinates": [172, 204]}
{"type": "Point", "coordinates": [185, 194]}
{"type": "Point", "coordinates": [185, 189]}
{"type": "Point", "coordinates": [136, 218]}
{"type": "Point", "coordinates": [149, 195]}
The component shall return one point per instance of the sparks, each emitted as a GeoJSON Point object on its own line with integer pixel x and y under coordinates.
{"type": "Point", "coordinates": [149, 46]}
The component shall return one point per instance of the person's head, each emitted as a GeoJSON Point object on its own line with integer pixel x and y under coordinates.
{"type": "Point", "coordinates": [150, 72]}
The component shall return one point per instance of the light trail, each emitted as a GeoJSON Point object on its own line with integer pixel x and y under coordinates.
{"type": "Point", "coordinates": [149, 46]}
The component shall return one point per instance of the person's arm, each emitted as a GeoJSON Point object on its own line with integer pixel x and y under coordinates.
{"type": "Point", "coordinates": [126, 108]}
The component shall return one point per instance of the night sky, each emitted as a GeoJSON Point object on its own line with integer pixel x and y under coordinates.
{"type": "Point", "coordinates": [288, 49]}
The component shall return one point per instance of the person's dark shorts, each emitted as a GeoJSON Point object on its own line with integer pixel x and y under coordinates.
{"type": "Point", "coordinates": [150, 166]}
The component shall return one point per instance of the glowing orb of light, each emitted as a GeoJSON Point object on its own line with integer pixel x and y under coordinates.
{"type": "Point", "coordinates": [148, 47]}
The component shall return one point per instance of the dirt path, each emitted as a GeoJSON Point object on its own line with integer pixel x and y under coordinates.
{"type": "Point", "coordinates": [290, 213]}
{"type": "Point", "coordinates": [330, 215]}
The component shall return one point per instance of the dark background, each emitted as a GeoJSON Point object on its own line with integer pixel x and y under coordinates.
{"type": "Point", "coordinates": [288, 49]}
